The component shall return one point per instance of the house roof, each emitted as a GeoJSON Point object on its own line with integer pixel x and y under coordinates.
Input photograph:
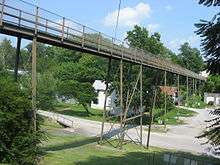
{"type": "Point", "coordinates": [168, 90]}
{"type": "Point", "coordinates": [99, 85]}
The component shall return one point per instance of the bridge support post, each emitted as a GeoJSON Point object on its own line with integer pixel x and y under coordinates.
{"type": "Point", "coordinates": [121, 105]}
{"type": "Point", "coordinates": [34, 82]}
{"type": "Point", "coordinates": [151, 113]}
{"type": "Point", "coordinates": [2, 12]}
{"type": "Point", "coordinates": [165, 98]}
{"type": "Point", "coordinates": [141, 102]}
{"type": "Point", "coordinates": [195, 86]}
{"type": "Point", "coordinates": [187, 88]}
{"type": "Point", "coordinates": [17, 58]}
{"type": "Point", "coordinates": [106, 96]}
{"type": "Point", "coordinates": [178, 89]}
{"type": "Point", "coordinates": [193, 90]}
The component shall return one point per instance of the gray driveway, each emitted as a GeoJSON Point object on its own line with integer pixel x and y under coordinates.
{"type": "Point", "coordinates": [180, 137]}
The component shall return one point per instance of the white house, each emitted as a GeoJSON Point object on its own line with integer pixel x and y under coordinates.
{"type": "Point", "coordinates": [212, 97]}
{"type": "Point", "coordinates": [204, 73]}
{"type": "Point", "coordinates": [100, 101]}
{"type": "Point", "coordinates": [111, 107]}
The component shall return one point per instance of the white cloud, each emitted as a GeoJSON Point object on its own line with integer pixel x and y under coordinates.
{"type": "Point", "coordinates": [193, 40]}
{"type": "Point", "coordinates": [129, 16]}
{"type": "Point", "coordinates": [152, 27]}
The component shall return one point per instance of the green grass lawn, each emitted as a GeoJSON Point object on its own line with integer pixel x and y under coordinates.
{"type": "Point", "coordinates": [172, 116]}
{"type": "Point", "coordinates": [78, 111]}
{"type": "Point", "coordinates": [63, 148]}
{"type": "Point", "coordinates": [96, 114]}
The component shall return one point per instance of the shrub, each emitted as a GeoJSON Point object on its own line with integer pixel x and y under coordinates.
{"type": "Point", "coordinates": [18, 143]}
{"type": "Point", "coordinates": [211, 103]}
{"type": "Point", "coordinates": [195, 101]}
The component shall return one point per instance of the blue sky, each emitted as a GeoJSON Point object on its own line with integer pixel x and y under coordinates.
{"type": "Point", "coordinates": [173, 19]}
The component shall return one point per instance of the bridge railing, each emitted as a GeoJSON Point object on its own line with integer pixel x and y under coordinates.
{"type": "Point", "coordinates": [24, 14]}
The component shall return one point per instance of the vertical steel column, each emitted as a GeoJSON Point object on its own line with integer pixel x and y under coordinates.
{"type": "Point", "coordinates": [2, 12]}
{"type": "Point", "coordinates": [121, 102]}
{"type": "Point", "coordinates": [193, 90]}
{"type": "Point", "coordinates": [17, 58]}
{"type": "Point", "coordinates": [195, 85]}
{"type": "Point", "coordinates": [63, 28]}
{"type": "Point", "coordinates": [106, 96]}
{"type": "Point", "coordinates": [165, 97]}
{"type": "Point", "coordinates": [83, 36]}
{"type": "Point", "coordinates": [34, 81]}
{"type": "Point", "coordinates": [34, 73]}
{"type": "Point", "coordinates": [151, 116]}
{"type": "Point", "coordinates": [99, 41]}
{"type": "Point", "coordinates": [141, 102]}
{"type": "Point", "coordinates": [178, 88]}
{"type": "Point", "coordinates": [187, 88]}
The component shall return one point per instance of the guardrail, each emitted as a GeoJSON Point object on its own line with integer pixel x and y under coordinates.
{"type": "Point", "coordinates": [29, 16]}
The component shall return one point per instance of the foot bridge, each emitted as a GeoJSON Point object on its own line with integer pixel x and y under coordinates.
{"type": "Point", "coordinates": [25, 20]}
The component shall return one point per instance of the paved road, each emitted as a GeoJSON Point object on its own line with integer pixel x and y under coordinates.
{"type": "Point", "coordinates": [180, 137]}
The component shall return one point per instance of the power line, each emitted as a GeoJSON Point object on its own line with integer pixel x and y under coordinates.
{"type": "Point", "coordinates": [117, 20]}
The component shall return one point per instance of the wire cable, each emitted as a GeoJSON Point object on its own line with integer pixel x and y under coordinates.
{"type": "Point", "coordinates": [117, 20]}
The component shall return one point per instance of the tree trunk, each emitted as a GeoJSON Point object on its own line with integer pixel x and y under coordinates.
{"type": "Point", "coordinates": [86, 108]}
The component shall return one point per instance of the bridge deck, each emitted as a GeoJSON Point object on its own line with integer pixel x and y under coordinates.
{"type": "Point", "coordinates": [28, 21]}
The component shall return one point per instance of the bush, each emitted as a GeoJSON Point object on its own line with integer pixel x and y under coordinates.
{"type": "Point", "coordinates": [195, 101]}
{"type": "Point", "coordinates": [18, 143]}
{"type": "Point", "coordinates": [211, 103]}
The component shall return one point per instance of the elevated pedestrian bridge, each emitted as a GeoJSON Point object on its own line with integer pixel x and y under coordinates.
{"type": "Point", "coordinates": [21, 19]}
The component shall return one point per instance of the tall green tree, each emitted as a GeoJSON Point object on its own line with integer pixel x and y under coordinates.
{"type": "Point", "coordinates": [139, 37]}
{"type": "Point", "coordinates": [212, 84]}
{"type": "Point", "coordinates": [209, 31]}
{"type": "Point", "coordinates": [7, 54]}
{"type": "Point", "coordinates": [18, 143]}
{"type": "Point", "coordinates": [190, 58]}
{"type": "Point", "coordinates": [76, 78]}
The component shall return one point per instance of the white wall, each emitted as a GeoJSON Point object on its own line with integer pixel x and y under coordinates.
{"type": "Point", "coordinates": [101, 101]}
{"type": "Point", "coordinates": [214, 97]}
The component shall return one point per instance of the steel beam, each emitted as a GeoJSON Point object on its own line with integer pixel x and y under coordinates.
{"type": "Point", "coordinates": [121, 104]}
{"type": "Point", "coordinates": [2, 12]}
{"type": "Point", "coordinates": [141, 103]}
{"type": "Point", "coordinates": [165, 97]}
{"type": "Point", "coordinates": [178, 89]}
{"type": "Point", "coordinates": [151, 116]}
{"type": "Point", "coordinates": [187, 88]}
{"type": "Point", "coordinates": [17, 58]}
{"type": "Point", "coordinates": [34, 82]}
{"type": "Point", "coordinates": [106, 96]}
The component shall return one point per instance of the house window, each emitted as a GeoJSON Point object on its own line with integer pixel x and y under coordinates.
{"type": "Point", "coordinates": [96, 101]}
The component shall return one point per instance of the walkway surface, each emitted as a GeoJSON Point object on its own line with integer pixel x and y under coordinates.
{"type": "Point", "coordinates": [179, 137]}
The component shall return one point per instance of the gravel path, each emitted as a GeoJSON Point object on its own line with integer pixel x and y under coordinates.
{"type": "Point", "coordinates": [181, 137]}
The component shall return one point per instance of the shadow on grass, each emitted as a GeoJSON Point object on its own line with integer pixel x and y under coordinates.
{"type": "Point", "coordinates": [76, 113]}
{"type": "Point", "coordinates": [76, 143]}
{"type": "Point", "coordinates": [142, 158]}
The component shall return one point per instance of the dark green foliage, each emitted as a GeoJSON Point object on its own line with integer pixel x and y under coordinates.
{"type": "Point", "coordinates": [209, 31]}
{"type": "Point", "coordinates": [140, 38]}
{"type": "Point", "coordinates": [195, 101]}
{"type": "Point", "coordinates": [46, 91]}
{"type": "Point", "coordinates": [190, 58]}
{"type": "Point", "coordinates": [210, 2]}
{"type": "Point", "coordinates": [18, 143]}
{"type": "Point", "coordinates": [212, 84]}
{"type": "Point", "coordinates": [213, 131]}
{"type": "Point", "coordinates": [7, 54]}
{"type": "Point", "coordinates": [76, 78]}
